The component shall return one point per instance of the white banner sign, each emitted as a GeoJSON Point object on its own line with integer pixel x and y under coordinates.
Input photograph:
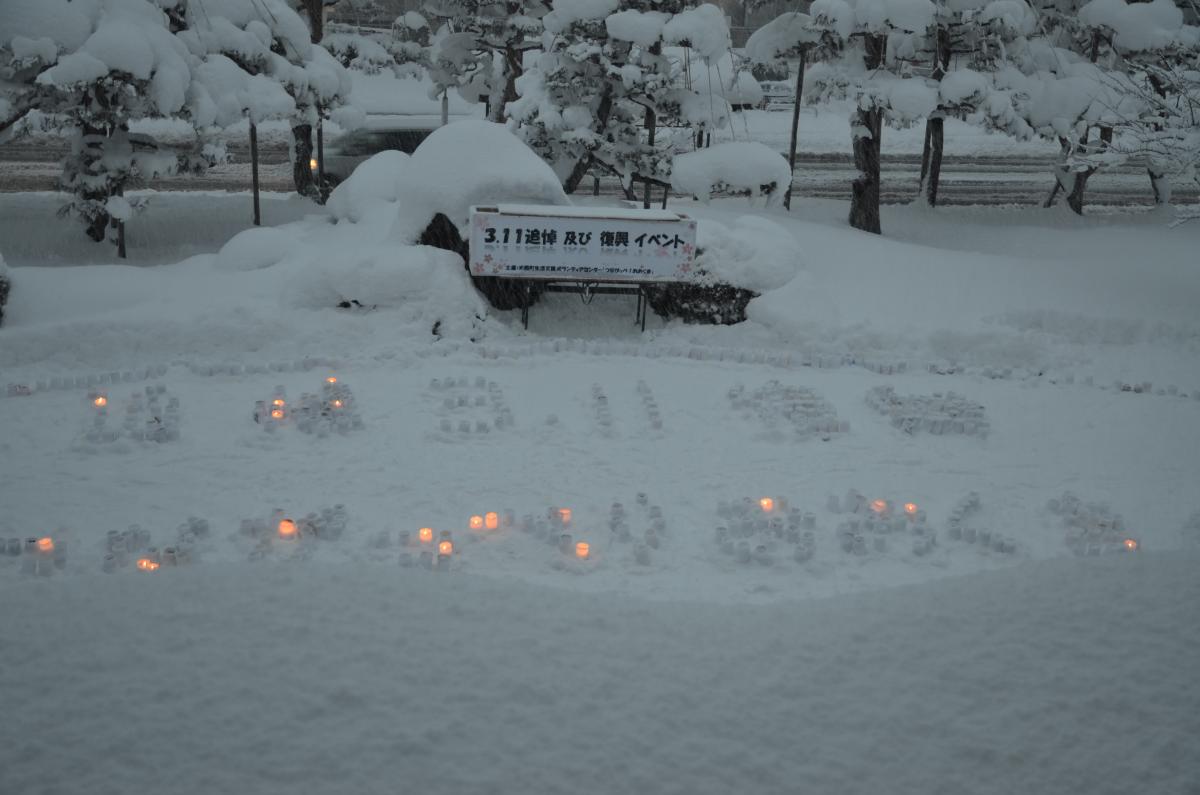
{"type": "Point", "coordinates": [577, 244]}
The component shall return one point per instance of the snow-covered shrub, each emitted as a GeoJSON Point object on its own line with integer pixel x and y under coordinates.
{"type": "Point", "coordinates": [738, 166]}
{"type": "Point", "coordinates": [375, 182]}
{"type": "Point", "coordinates": [465, 163]}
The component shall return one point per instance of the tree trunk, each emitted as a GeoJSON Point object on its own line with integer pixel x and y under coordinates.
{"type": "Point", "coordinates": [577, 174]}
{"type": "Point", "coordinates": [931, 167]}
{"type": "Point", "coordinates": [1060, 174]}
{"type": "Point", "coordinates": [866, 129]}
{"type": "Point", "coordinates": [787, 197]}
{"type": "Point", "coordinates": [864, 190]}
{"type": "Point", "coordinates": [302, 174]}
{"type": "Point", "coordinates": [1161, 187]}
{"type": "Point", "coordinates": [650, 128]}
{"type": "Point", "coordinates": [935, 125]}
{"type": "Point", "coordinates": [580, 169]}
{"type": "Point", "coordinates": [1075, 198]}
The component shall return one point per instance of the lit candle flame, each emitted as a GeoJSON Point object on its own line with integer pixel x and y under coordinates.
{"type": "Point", "coordinates": [878, 506]}
{"type": "Point", "coordinates": [337, 404]}
{"type": "Point", "coordinates": [425, 534]}
{"type": "Point", "coordinates": [100, 401]}
{"type": "Point", "coordinates": [331, 379]}
{"type": "Point", "coordinates": [910, 508]}
{"type": "Point", "coordinates": [147, 564]}
{"type": "Point", "coordinates": [491, 520]}
{"type": "Point", "coordinates": [1131, 544]}
{"type": "Point", "coordinates": [476, 522]}
{"type": "Point", "coordinates": [582, 550]}
{"type": "Point", "coordinates": [278, 402]}
{"type": "Point", "coordinates": [445, 548]}
{"type": "Point", "coordinates": [287, 528]}
{"type": "Point", "coordinates": [45, 544]}
{"type": "Point", "coordinates": [767, 504]}
{"type": "Point", "coordinates": [276, 414]}
{"type": "Point", "coordinates": [564, 515]}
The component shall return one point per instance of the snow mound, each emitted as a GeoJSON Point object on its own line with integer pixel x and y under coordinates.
{"type": "Point", "coordinates": [470, 162]}
{"type": "Point", "coordinates": [255, 249]}
{"type": "Point", "coordinates": [643, 28]}
{"type": "Point", "coordinates": [568, 12]}
{"type": "Point", "coordinates": [374, 182]}
{"type": "Point", "coordinates": [427, 285]}
{"type": "Point", "coordinates": [738, 165]}
{"type": "Point", "coordinates": [752, 253]}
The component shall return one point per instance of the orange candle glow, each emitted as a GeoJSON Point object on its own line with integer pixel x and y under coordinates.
{"type": "Point", "coordinates": [564, 515]}
{"type": "Point", "coordinates": [582, 550]}
{"type": "Point", "coordinates": [287, 528]}
{"type": "Point", "coordinates": [45, 544]}
{"type": "Point", "coordinates": [491, 520]}
{"type": "Point", "coordinates": [276, 414]}
{"type": "Point", "coordinates": [476, 522]}
{"type": "Point", "coordinates": [100, 401]}
{"type": "Point", "coordinates": [445, 548]}
{"type": "Point", "coordinates": [147, 564]}
{"type": "Point", "coordinates": [278, 402]}
{"type": "Point", "coordinates": [1131, 544]}
{"type": "Point", "coordinates": [767, 504]}
{"type": "Point", "coordinates": [910, 508]}
{"type": "Point", "coordinates": [337, 404]}
{"type": "Point", "coordinates": [331, 379]}
{"type": "Point", "coordinates": [425, 534]}
{"type": "Point", "coordinates": [878, 506]}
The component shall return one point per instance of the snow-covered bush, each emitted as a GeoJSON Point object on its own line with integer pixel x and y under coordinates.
{"type": "Point", "coordinates": [738, 166]}
{"type": "Point", "coordinates": [374, 185]}
{"type": "Point", "coordinates": [465, 163]}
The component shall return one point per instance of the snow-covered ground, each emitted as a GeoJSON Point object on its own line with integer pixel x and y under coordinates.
{"type": "Point", "coordinates": [974, 647]}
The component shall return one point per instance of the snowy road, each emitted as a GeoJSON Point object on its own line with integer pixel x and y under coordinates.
{"type": "Point", "coordinates": [966, 179]}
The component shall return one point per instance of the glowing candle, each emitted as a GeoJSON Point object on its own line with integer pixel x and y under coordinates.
{"type": "Point", "coordinates": [100, 401]}
{"type": "Point", "coordinates": [337, 404]}
{"type": "Point", "coordinates": [331, 379]}
{"type": "Point", "coordinates": [476, 522]}
{"type": "Point", "coordinates": [582, 550]}
{"type": "Point", "coordinates": [491, 520]}
{"type": "Point", "coordinates": [147, 564]}
{"type": "Point", "coordinates": [564, 515]}
{"type": "Point", "coordinates": [425, 534]}
{"type": "Point", "coordinates": [878, 506]}
{"type": "Point", "coordinates": [287, 528]}
{"type": "Point", "coordinates": [910, 508]}
{"type": "Point", "coordinates": [767, 504]}
{"type": "Point", "coordinates": [445, 549]}
{"type": "Point", "coordinates": [45, 544]}
{"type": "Point", "coordinates": [1131, 544]}
{"type": "Point", "coordinates": [276, 414]}
{"type": "Point", "coordinates": [278, 402]}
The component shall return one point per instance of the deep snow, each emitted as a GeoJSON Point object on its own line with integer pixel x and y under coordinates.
{"type": "Point", "coordinates": [324, 664]}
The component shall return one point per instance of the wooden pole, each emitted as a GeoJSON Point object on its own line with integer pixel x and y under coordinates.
{"type": "Point", "coordinates": [787, 197]}
{"type": "Point", "coordinates": [254, 172]}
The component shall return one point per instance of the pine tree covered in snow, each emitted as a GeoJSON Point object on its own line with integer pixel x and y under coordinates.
{"type": "Point", "coordinates": [613, 74]}
{"type": "Point", "coordinates": [480, 47]}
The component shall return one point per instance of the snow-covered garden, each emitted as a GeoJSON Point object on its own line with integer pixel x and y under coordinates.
{"type": "Point", "coordinates": [294, 507]}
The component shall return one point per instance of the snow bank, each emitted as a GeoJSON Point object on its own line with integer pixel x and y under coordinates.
{"type": "Point", "coordinates": [738, 165]}
{"type": "Point", "coordinates": [470, 162]}
{"type": "Point", "coordinates": [751, 252]}
{"type": "Point", "coordinates": [256, 248]}
{"type": "Point", "coordinates": [375, 182]}
{"type": "Point", "coordinates": [1138, 26]}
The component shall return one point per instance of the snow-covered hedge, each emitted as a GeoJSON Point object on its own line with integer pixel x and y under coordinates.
{"type": "Point", "coordinates": [374, 184]}
{"type": "Point", "coordinates": [741, 166]}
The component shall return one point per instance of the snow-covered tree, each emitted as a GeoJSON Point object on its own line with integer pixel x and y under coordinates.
{"type": "Point", "coordinates": [870, 61]}
{"type": "Point", "coordinates": [480, 47]}
{"type": "Point", "coordinates": [612, 73]}
{"type": "Point", "coordinates": [95, 68]}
